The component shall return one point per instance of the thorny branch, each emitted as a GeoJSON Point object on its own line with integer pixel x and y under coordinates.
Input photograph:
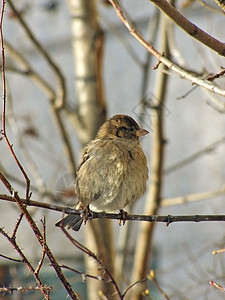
{"type": "Point", "coordinates": [91, 254]}
{"type": "Point", "coordinates": [147, 218]}
{"type": "Point", "coordinates": [11, 290]}
{"type": "Point", "coordinates": [4, 106]}
{"type": "Point", "coordinates": [110, 279]}
{"type": "Point", "coordinates": [43, 250]}
{"type": "Point", "coordinates": [12, 241]}
{"type": "Point", "coordinates": [40, 239]}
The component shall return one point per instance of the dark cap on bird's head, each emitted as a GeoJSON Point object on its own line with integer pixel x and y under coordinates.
{"type": "Point", "coordinates": [121, 126]}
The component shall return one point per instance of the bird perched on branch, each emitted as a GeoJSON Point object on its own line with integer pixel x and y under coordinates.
{"type": "Point", "coordinates": [113, 170]}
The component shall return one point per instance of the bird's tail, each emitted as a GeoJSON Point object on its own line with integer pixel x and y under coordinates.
{"type": "Point", "coordinates": [72, 221]}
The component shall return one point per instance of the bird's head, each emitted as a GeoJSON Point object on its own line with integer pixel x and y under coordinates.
{"type": "Point", "coordinates": [121, 126]}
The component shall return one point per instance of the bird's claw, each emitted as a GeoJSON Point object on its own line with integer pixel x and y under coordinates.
{"type": "Point", "coordinates": [122, 216]}
{"type": "Point", "coordinates": [86, 214]}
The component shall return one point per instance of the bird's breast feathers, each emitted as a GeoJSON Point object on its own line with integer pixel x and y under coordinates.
{"type": "Point", "coordinates": [114, 171]}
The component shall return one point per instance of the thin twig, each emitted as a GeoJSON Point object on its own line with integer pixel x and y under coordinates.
{"type": "Point", "coordinates": [215, 10]}
{"type": "Point", "coordinates": [217, 75]}
{"type": "Point", "coordinates": [17, 226]}
{"type": "Point", "coordinates": [12, 259]}
{"type": "Point", "coordinates": [218, 251]}
{"type": "Point", "coordinates": [40, 239]}
{"type": "Point", "coordinates": [62, 87]}
{"type": "Point", "coordinates": [208, 149]}
{"type": "Point", "coordinates": [29, 71]}
{"type": "Point", "coordinates": [84, 275]}
{"type": "Point", "coordinates": [29, 159]}
{"type": "Point", "coordinates": [152, 203]}
{"type": "Point", "coordinates": [4, 106]}
{"type": "Point", "coordinates": [43, 249]}
{"type": "Point", "coordinates": [28, 264]}
{"type": "Point", "coordinates": [217, 286]}
{"type": "Point", "coordinates": [133, 284]}
{"type": "Point", "coordinates": [10, 290]}
{"type": "Point", "coordinates": [57, 99]}
{"type": "Point", "coordinates": [152, 278]}
{"type": "Point", "coordinates": [91, 254]}
{"type": "Point", "coordinates": [192, 197]}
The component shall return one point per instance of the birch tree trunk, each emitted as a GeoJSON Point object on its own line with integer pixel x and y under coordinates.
{"type": "Point", "coordinates": [87, 39]}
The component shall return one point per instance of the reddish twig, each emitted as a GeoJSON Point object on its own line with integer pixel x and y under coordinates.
{"type": "Point", "coordinates": [26, 261]}
{"type": "Point", "coordinates": [91, 254]}
{"type": "Point", "coordinates": [217, 75]}
{"type": "Point", "coordinates": [133, 284]}
{"type": "Point", "coordinates": [40, 239]}
{"type": "Point", "coordinates": [217, 286]}
{"type": "Point", "coordinates": [84, 275]}
{"type": "Point", "coordinates": [43, 250]}
{"type": "Point", "coordinates": [4, 106]}
{"type": "Point", "coordinates": [17, 226]}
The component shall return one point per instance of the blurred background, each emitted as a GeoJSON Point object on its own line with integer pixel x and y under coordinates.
{"type": "Point", "coordinates": [55, 104]}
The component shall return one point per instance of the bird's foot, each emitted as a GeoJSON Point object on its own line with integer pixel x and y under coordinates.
{"type": "Point", "coordinates": [123, 215]}
{"type": "Point", "coordinates": [86, 214]}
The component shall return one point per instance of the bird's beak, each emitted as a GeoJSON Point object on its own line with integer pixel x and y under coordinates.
{"type": "Point", "coordinates": [142, 132]}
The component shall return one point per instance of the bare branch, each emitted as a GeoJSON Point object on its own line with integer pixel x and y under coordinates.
{"type": "Point", "coordinates": [206, 150]}
{"type": "Point", "coordinates": [57, 99]}
{"type": "Point", "coordinates": [4, 106]}
{"type": "Point", "coordinates": [29, 71]}
{"type": "Point", "coordinates": [153, 279]}
{"type": "Point", "coordinates": [218, 251]}
{"type": "Point", "coordinates": [217, 75]}
{"type": "Point", "coordinates": [216, 285]}
{"type": "Point", "coordinates": [84, 275]}
{"type": "Point", "coordinates": [40, 239]}
{"type": "Point", "coordinates": [17, 226]}
{"type": "Point", "coordinates": [12, 259]}
{"type": "Point", "coordinates": [184, 74]}
{"type": "Point", "coordinates": [221, 4]}
{"type": "Point", "coordinates": [10, 290]}
{"type": "Point", "coordinates": [152, 203]}
{"type": "Point", "coordinates": [61, 93]}
{"type": "Point", "coordinates": [26, 261]}
{"type": "Point", "coordinates": [192, 197]}
{"type": "Point", "coordinates": [206, 5]}
{"type": "Point", "coordinates": [146, 218]}
{"type": "Point", "coordinates": [91, 254]}
{"type": "Point", "coordinates": [43, 250]}
{"type": "Point", "coordinates": [190, 28]}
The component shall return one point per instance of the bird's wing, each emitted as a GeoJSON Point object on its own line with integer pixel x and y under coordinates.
{"type": "Point", "coordinates": [99, 174]}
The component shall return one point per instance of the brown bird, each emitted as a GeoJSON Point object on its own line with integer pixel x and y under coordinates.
{"type": "Point", "coordinates": [113, 170]}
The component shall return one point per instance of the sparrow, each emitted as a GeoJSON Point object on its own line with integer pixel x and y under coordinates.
{"type": "Point", "coordinates": [113, 170]}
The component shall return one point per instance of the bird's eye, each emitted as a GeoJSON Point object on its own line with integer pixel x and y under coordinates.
{"type": "Point", "coordinates": [131, 129]}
